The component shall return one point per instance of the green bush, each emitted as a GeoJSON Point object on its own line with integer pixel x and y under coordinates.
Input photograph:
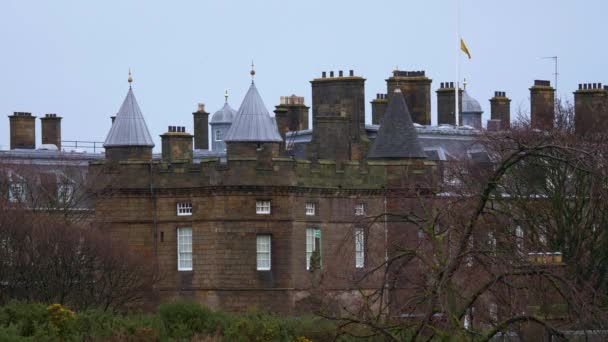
{"type": "Point", "coordinates": [183, 319]}
{"type": "Point", "coordinates": [27, 319]}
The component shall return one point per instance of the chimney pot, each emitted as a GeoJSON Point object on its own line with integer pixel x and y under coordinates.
{"type": "Point", "coordinates": [331, 74]}
{"type": "Point", "coordinates": [340, 73]}
{"type": "Point", "coordinates": [323, 74]}
{"type": "Point", "coordinates": [351, 73]}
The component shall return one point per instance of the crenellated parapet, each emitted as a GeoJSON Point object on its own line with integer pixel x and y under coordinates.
{"type": "Point", "coordinates": [281, 173]}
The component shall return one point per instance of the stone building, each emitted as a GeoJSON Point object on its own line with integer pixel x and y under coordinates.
{"type": "Point", "coordinates": [274, 210]}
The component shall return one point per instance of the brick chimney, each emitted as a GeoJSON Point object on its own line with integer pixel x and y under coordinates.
{"type": "Point", "coordinates": [291, 115]}
{"type": "Point", "coordinates": [338, 114]}
{"type": "Point", "coordinates": [379, 106]}
{"type": "Point", "coordinates": [446, 99]}
{"type": "Point", "coordinates": [51, 130]}
{"type": "Point", "coordinates": [500, 107]}
{"type": "Point", "coordinates": [416, 88]}
{"type": "Point", "coordinates": [542, 105]}
{"type": "Point", "coordinates": [176, 145]}
{"type": "Point", "coordinates": [201, 128]}
{"type": "Point", "coordinates": [23, 130]}
{"type": "Point", "coordinates": [494, 125]}
{"type": "Point", "coordinates": [591, 109]}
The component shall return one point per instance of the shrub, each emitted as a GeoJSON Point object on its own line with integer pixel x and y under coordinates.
{"type": "Point", "coordinates": [26, 319]}
{"type": "Point", "coordinates": [184, 319]}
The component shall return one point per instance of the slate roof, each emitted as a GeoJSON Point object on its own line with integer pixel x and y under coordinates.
{"type": "Point", "coordinates": [253, 121]}
{"type": "Point", "coordinates": [469, 104]}
{"type": "Point", "coordinates": [397, 136]}
{"type": "Point", "coordinates": [129, 127]}
{"type": "Point", "coordinates": [225, 115]}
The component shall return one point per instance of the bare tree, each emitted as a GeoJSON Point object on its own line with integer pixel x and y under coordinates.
{"type": "Point", "coordinates": [514, 245]}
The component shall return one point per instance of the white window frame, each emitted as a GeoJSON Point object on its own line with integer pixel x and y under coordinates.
{"type": "Point", "coordinates": [263, 207]}
{"type": "Point", "coordinates": [218, 133]}
{"type": "Point", "coordinates": [184, 208]}
{"type": "Point", "coordinates": [311, 234]}
{"type": "Point", "coordinates": [360, 209]}
{"type": "Point", "coordinates": [519, 239]}
{"type": "Point", "coordinates": [16, 192]}
{"type": "Point", "coordinates": [184, 249]}
{"type": "Point", "coordinates": [359, 248]}
{"type": "Point", "coordinates": [263, 252]}
{"type": "Point", "coordinates": [311, 209]}
{"type": "Point", "coordinates": [65, 192]}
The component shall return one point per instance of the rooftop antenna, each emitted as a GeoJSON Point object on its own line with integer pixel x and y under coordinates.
{"type": "Point", "coordinates": [554, 58]}
{"type": "Point", "coordinates": [252, 72]}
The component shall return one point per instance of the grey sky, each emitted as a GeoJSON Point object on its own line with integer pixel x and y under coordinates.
{"type": "Point", "coordinates": [72, 57]}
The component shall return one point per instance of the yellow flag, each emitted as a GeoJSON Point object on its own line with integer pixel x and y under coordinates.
{"type": "Point", "coordinates": [464, 49]}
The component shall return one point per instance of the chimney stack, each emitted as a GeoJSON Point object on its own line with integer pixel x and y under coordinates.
{"type": "Point", "coordinates": [500, 106]}
{"type": "Point", "coordinates": [446, 100]}
{"type": "Point", "coordinates": [542, 105]}
{"type": "Point", "coordinates": [338, 114]}
{"type": "Point", "coordinates": [201, 128]}
{"type": "Point", "coordinates": [416, 88]}
{"type": "Point", "coordinates": [494, 125]}
{"type": "Point", "coordinates": [51, 130]}
{"type": "Point", "coordinates": [23, 130]}
{"type": "Point", "coordinates": [379, 107]}
{"type": "Point", "coordinates": [591, 109]}
{"type": "Point", "coordinates": [176, 145]}
{"type": "Point", "coordinates": [291, 115]}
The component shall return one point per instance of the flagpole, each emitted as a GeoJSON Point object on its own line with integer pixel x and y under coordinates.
{"type": "Point", "coordinates": [456, 120]}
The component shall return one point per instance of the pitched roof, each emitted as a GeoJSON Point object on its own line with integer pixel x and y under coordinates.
{"type": "Point", "coordinates": [225, 115]}
{"type": "Point", "coordinates": [129, 127]}
{"type": "Point", "coordinates": [252, 121]}
{"type": "Point", "coordinates": [397, 137]}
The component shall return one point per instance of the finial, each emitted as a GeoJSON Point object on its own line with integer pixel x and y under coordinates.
{"type": "Point", "coordinates": [226, 95]}
{"type": "Point", "coordinates": [130, 79]}
{"type": "Point", "coordinates": [252, 72]}
{"type": "Point", "coordinates": [464, 84]}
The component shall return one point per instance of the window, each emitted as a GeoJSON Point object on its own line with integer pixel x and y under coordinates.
{"type": "Point", "coordinates": [469, 252]}
{"type": "Point", "coordinates": [360, 209]}
{"type": "Point", "coordinates": [311, 209]}
{"type": "Point", "coordinates": [313, 246]}
{"type": "Point", "coordinates": [184, 249]}
{"type": "Point", "coordinates": [65, 191]}
{"type": "Point", "coordinates": [16, 192]}
{"type": "Point", "coordinates": [184, 208]}
{"type": "Point", "coordinates": [262, 207]}
{"type": "Point", "coordinates": [493, 312]}
{"type": "Point", "coordinates": [492, 242]}
{"type": "Point", "coordinates": [519, 239]}
{"type": "Point", "coordinates": [263, 251]}
{"type": "Point", "coordinates": [359, 248]}
{"type": "Point", "coordinates": [218, 135]}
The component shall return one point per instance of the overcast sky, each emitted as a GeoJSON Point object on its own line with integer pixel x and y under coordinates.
{"type": "Point", "coordinates": [72, 57]}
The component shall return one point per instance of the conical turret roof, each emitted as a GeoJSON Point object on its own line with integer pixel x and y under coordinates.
{"type": "Point", "coordinates": [397, 137]}
{"type": "Point", "coordinates": [253, 121]}
{"type": "Point", "coordinates": [129, 127]}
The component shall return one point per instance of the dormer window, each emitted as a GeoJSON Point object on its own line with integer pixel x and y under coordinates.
{"type": "Point", "coordinates": [218, 135]}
